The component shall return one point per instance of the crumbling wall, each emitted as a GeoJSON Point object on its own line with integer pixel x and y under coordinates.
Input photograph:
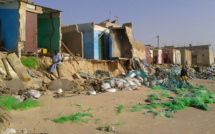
{"type": "Point", "coordinates": [121, 45]}
{"type": "Point", "coordinates": [109, 24]}
{"type": "Point", "coordinates": [203, 57]}
{"type": "Point", "coordinates": [73, 39]}
{"type": "Point", "coordinates": [88, 39]}
{"type": "Point", "coordinates": [91, 66]}
{"type": "Point", "coordinates": [211, 54]}
{"type": "Point", "coordinates": [138, 49]}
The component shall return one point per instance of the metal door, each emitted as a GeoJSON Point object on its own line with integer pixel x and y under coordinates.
{"type": "Point", "coordinates": [101, 47]}
{"type": "Point", "coordinates": [31, 32]}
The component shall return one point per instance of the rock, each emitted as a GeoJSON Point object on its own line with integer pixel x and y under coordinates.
{"type": "Point", "coordinates": [15, 85]}
{"type": "Point", "coordinates": [64, 84]}
{"type": "Point", "coordinates": [24, 131]}
{"type": "Point", "coordinates": [34, 93]}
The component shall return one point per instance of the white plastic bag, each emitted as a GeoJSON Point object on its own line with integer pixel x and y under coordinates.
{"type": "Point", "coordinates": [111, 90]}
{"type": "Point", "coordinates": [118, 83]}
{"type": "Point", "coordinates": [105, 86]}
{"type": "Point", "coordinates": [34, 93]}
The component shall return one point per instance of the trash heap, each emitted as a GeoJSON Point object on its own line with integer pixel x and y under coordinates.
{"type": "Point", "coordinates": [130, 82]}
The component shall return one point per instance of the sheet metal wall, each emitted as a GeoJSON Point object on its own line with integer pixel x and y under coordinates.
{"type": "Point", "coordinates": [45, 29]}
{"type": "Point", "coordinates": [9, 16]}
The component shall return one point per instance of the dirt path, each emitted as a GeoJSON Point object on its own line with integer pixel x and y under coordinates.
{"type": "Point", "coordinates": [104, 107]}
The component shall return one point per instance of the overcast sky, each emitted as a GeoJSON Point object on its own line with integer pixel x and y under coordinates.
{"type": "Point", "coordinates": [177, 22]}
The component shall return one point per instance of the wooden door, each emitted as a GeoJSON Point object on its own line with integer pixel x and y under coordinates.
{"type": "Point", "coordinates": [31, 32]}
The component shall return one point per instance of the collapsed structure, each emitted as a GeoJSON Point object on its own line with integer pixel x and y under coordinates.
{"type": "Point", "coordinates": [102, 41]}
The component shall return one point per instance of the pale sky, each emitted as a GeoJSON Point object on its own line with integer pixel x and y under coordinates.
{"type": "Point", "coordinates": [177, 22]}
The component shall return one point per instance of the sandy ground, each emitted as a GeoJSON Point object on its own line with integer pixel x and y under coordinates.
{"type": "Point", "coordinates": [39, 120]}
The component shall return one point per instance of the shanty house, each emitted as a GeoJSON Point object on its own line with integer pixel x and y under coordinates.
{"type": "Point", "coordinates": [171, 56]}
{"type": "Point", "coordinates": [101, 41]}
{"type": "Point", "coordinates": [157, 56]}
{"type": "Point", "coordinates": [25, 27]}
{"type": "Point", "coordinates": [186, 57]}
{"type": "Point", "coordinates": [202, 55]}
{"type": "Point", "coordinates": [93, 41]}
{"type": "Point", "coordinates": [149, 54]}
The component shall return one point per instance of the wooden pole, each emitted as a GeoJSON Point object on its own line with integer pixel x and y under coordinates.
{"type": "Point", "coordinates": [69, 52]}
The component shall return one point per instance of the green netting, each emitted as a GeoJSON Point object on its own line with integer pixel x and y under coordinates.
{"type": "Point", "coordinates": [11, 103]}
{"type": "Point", "coordinates": [157, 105]}
{"type": "Point", "coordinates": [137, 108]}
{"type": "Point", "coordinates": [120, 109]}
{"type": "Point", "coordinates": [30, 62]}
{"type": "Point", "coordinates": [100, 73]}
{"type": "Point", "coordinates": [153, 97]}
{"type": "Point", "coordinates": [156, 88]}
{"type": "Point", "coordinates": [75, 118]}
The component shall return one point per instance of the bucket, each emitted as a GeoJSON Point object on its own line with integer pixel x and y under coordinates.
{"type": "Point", "coordinates": [44, 51]}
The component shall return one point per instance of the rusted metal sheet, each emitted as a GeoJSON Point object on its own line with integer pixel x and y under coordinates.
{"type": "Point", "coordinates": [31, 32]}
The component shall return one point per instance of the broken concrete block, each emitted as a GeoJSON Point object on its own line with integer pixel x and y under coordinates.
{"type": "Point", "coordinates": [64, 84]}
{"type": "Point", "coordinates": [11, 74]}
{"type": "Point", "coordinates": [18, 67]}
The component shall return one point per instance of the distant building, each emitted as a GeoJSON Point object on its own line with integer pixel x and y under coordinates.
{"type": "Point", "coordinates": [171, 55]}
{"type": "Point", "coordinates": [186, 57]}
{"type": "Point", "coordinates": [25, 26]}
{"type": "Point", "coordinates": [202, 55]}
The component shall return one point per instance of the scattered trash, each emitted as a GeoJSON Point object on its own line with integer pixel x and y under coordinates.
{"type": "Point", "coordinates": [34, 93]}
{"type": "Point", "coordinates": [60, 91]}
{"type": "Point", "coordinates": [24, 131]}
{"type": "Point", "coordinates": [163, 114]}
{"type": "Point", "coordinates": [9, 131]}
{"type": "Point", "coordinates": [111, 90]}
{"type": "Point", "coordinates": [108, 129]}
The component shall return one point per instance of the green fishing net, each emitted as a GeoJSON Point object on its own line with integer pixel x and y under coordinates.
{"type": "Point", "coordinates": [11, 103]}
{"type": "Point", "coordinates": [75, 118]}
